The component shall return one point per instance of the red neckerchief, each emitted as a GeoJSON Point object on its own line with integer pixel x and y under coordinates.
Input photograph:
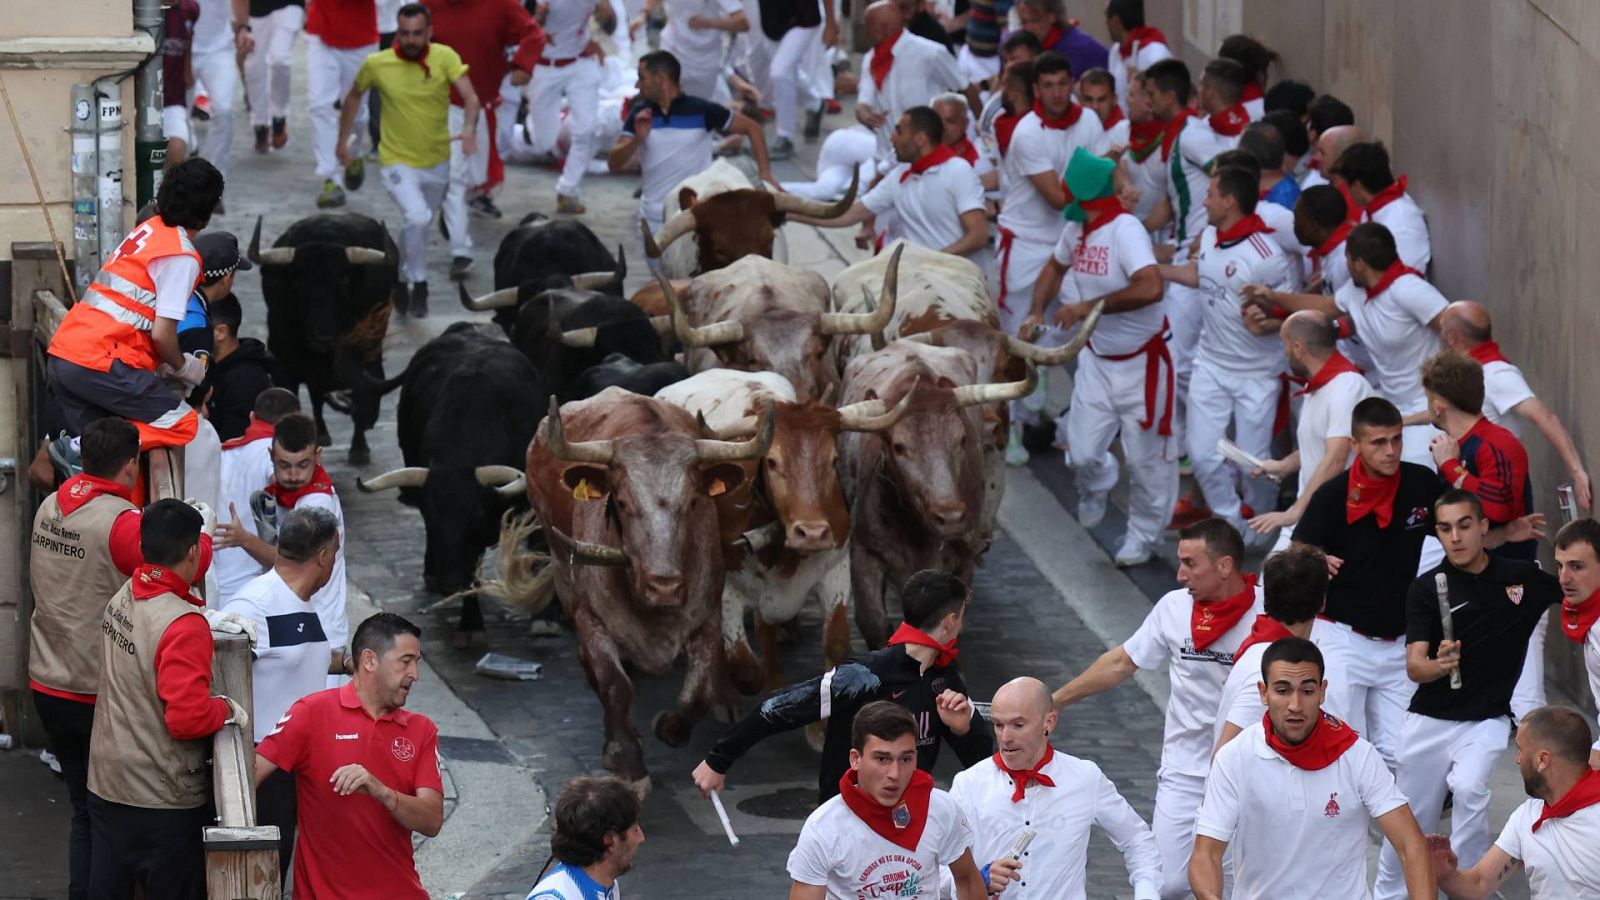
{"type": "Point", "coordinates": [1386, 196]}
{"type": "Point", "coordinates": [1577, 620]}
{"type": "Point", "coordinates": [1170, 132]}
{"type": "Point", "coordinates": [1021, 777]}
{"type": "Point", "coordinates": [1584, 794]}
{"type": "Point", "coordinates": [1004, 125]}
{"type": "Point", "coordinates": [1252, 91]}
{"type": "Point", "coordinates": [1238, 231]}
{"type": "Point", "coordinates": [1329, 739]}
{"type": "Point", "coordinates": [883, 59]}
{"type": "Point", "coordinates": [320, 483]}
{"type": "Point", "coordinates": [1144, 137]}
{"type": "Point", "coordinates": [1370, 494]}
{"type": "Point", "coordinates": [153, 581]}
{"type": "Point", "coordinates": [1230, 122]}
{"type": "Point", "coordinates": [1333, 241]}
{"type": "Point", "coordinates": [1051, 37]}
{"type": "Point", "coordinates": [80, 489]}
{"type": "Point", "coordinates": [937, 155]}
{"type": "Point", "coordinates": [902, 825]}
{"type": "Point", "coordinates": [1209, 621]}
{"type": "Point", "coordinates": [1488, 352]}
{"type": "Point", "coordinates": [1335, 366]}
{"type": "Point", "coordinates": [253, 432]}
{"type": "Point", "coordinates": [965, 150]}
{"type": "Point", "coordinates": [1264, 630]}
{"type": "Point", "coordinates": [1390, 276]}
{"type": "Point", "coordinates": [906, 634]}
{"type": "Point", "coordinates": [1144, 36]}
{"type": "Point", "coordinates": [1100, 212]}
{"type": "Point", "coordinates": [1067, 119]}
{"type": "Point", "coordinates": [1112, 120]}
{"type": "Point", "coordinates": [421, 60]}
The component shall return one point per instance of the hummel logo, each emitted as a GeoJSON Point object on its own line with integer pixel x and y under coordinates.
{"type": "Point", "coordinates": [346, 737]}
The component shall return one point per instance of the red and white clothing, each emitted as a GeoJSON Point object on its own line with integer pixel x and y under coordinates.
{"type": "Point", "coordinates": [1296, 832]}
{"type": "Point", "coordinates": [1241, 703]}
{"type": "Point", "coordinates": [1394, 209]}
{"type": "Point", "coordinates": [340, 35]}
{"type": "Point", "coordinates": [1325, 411]}
{"type": "Point", "coordinates": [1138, 50]}
{"type": "Point", "coordinates": [1393, 325]}
{"type": "Point", "coordinates": [1577, 624]}
{"type": "Point", "coordinates": [699, 51]}
{"type": "Point", "coordinates": [290, 656]}
{"type": "Point", "coordinates": [351, 848]}
{"type": "Point", "coordinates": [928, 202]}
{"type": "Point", "coordinates": [566, 71]}
{"type": "Point", "coordinates": [917, 71]}
{"type": "Point", "coordinates": [266, 69]}
{"type": "Point", "coordinates": [246, 470]}
{"type": "Point", "coordinates": [216, 67]}
{"type": "Point", "coordinates": [1281, 220]}
{"type": "Point", "coordinates": [1560, 856]}
{"type": "Point", "coordinates": [1504, 387]}
{"type": "Point", "coordinates": [852, 859]}
{"type": "Point", "coordinates": [330, 601]}
{"type": "Point", "coordinates": [1330, 262]}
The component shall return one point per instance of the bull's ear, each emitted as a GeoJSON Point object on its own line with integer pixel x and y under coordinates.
{"type": "Point", "coordinates": [720, 479]}
{"type": "Point", "coordinates": [686, 197]}
{"type": "Point", "coordinates": [946, 382]}
{"type": "Point", "coordinates": [586, 482]}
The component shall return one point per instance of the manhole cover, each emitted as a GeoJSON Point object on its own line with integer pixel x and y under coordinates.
{"type": "Point", "coordinates": [790, 803]}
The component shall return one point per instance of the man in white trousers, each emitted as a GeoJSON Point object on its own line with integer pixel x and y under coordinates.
{"type": "Point", "coordinates": [275, 25]}
{"type": "Point", "coordinates": [570, 68]}
{"type": "Point", "coordinates": [340, 35]}
{"type": "Point", "coordinates": [222, 31]}
{"type": "Point", "coordinates": [694, 36]}
{"type": "Point", "coordinates": [901, 70]}
{"type": "Point", "coordinates": [793, 51]}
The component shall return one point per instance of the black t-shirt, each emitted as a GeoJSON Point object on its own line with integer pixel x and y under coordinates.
{"type": "Point", "coordinates": [1494, 613]}
{"type": "Point", "coordinates": [778, 16]}
{"type": "Point", "coordinates": [1369, 593]}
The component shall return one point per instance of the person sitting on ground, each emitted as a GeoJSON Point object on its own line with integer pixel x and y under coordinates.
{"type": "Point", "coordinates": [241, 368]}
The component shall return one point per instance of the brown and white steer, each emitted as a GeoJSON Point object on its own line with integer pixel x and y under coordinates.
{"type": "Point", "coordinates": [624, 485]}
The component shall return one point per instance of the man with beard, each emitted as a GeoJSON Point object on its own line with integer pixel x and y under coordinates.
{"type": "Point", "coordinates": [1578, 565]}
{"type": "Point", "coordinates": [595, 838]}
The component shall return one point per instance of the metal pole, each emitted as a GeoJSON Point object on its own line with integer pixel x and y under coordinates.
{"type": "Point", "coordinates": [85, 208]}
{"type": "Point", "coordinates": [109, 176]}
{"type": "Point", "coordinates": [150, 145]}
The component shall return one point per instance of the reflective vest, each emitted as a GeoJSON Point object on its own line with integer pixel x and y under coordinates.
{"type": "Point", "coordinates": [114, 319]}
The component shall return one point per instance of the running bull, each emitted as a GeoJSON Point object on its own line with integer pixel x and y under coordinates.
{"type": "Point", "coordinates": [542, 254]}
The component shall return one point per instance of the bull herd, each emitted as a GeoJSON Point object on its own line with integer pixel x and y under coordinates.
{"type": "Point", "coordinates": [736, 438]}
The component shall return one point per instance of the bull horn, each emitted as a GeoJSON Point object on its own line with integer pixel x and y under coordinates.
{"type": "Point", "coordinates": [1055, 356]}
{"type": "Point", "coordinates": [593, 281]}
{"type": "Point", "coordinates": [704, 335]}
{"type": "Point", "coordinates": [580, 338]}
{"type": "Point", "coordinates": [575, 552]}
{"type": "Point", "coordinates": [408, 477]}
{"type": "Point", "coordinates": [662, 324]}
{"type": "Point", "coordinates": [734, 451]}
{"type": "Point", "coordinates": [365, 256]}
{"type": "Point", "coordinates": [876, 321]}
{"type": "Point", "coordinates": [975, 394]}
{"type": "Point", "coordinates": [508, 481]}
{"type": "Point", "coordinates": [501, 299]}
{"type": "Point", "coordinates": [816, 209]}
{"type": "Point", "coordinates": [676, 227]}
{"type": "Point", "coordinates": [276, 256]}
{"type": "Point", "coordinates": [931, 338]}
{"type": "Point", "coordinates": [757, 539]}
{"type": "Point", "coordinates": [875, 415]}
{"type": "Point", "coordinates": [596, 452]}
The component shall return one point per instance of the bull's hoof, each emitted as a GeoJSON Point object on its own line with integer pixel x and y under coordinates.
{"type": "Point", "coordinates": [360, 456]}
{"type": "Point", "coordinates": [816, 734]}
{"type": "Point", "coordinates": [670, 728]}
{"type": "Point", "coordinates": [544, 628]}
{"type": "Point", "coordinates": [625, 759]}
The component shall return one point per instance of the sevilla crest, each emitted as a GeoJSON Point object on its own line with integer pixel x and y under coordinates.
{"type": "Point", "coordinates": [1332, 809]}
{"type": "Point", "coordinates": [1514, 594]}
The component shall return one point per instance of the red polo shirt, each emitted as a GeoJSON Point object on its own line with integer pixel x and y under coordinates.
{"type": "Point", "coordinates": [343, 24]}
{"type": "Point", "coordinates": [351, 848]}
{"type": "Point", "coordinates": [480, 31]}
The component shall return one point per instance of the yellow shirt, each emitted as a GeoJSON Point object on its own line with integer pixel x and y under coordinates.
{"type": "Point", "coordinates": [416, 103]}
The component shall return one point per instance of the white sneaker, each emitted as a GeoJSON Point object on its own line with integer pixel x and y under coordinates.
{"type": "Point", "coordinates": [49, 759]}
{"type": "Point", "coordinates": [1131, 553]}
{"type": "Point", "coordinates": [1016, 454]}
{"type": "Point", "coordinates": [1091, 510]}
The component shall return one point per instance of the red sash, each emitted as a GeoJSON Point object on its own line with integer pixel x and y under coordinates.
{"type": "Point", "coordinates": [153, 581]}
{"type": "Point", "coordinates": [1584, 794]}
{"type": "Point", "coordinates": [1144, 36]}
{"type": "Point", "coordinates": [320, 483]}
{"type": "Point", "coordinates": [1264, 630]}
{"type": "Point", "coordinates": [1156, 357]}
{"type": "Point", "coordinates": [1335, 366]}
{"type": "Point", "coordinates": [1370, 494]}
{"type": "Point", "coordinates": [902, 825]}
{"type": "Point", "coordinates": [1209, 621]}
{"type": "Point", "coordinates": [255, 431]}
{"type": "Point", "coordinates": [906, 634]}
{"type": "Point", "coordinates": [1067, 119]}
{"type": "Point", "coordinates": [928, 160]}
{"type": "Point", "coordinates": [883, 59]}
{"type": "Point", "coordinates": [1329, 739]}
{"type": "Point", "coordinates": [1386, 196]}
{"type": "Point", "coordinates": [1577, 620]}
{"type": "Point", "coordinates": [1021, 777]}
{"type": "Point", "coordinates": [1390, 276]}
{"type": "Point", "coordinates": [1488, 352]}
{"type": "Point", "coordinates": [80, 489]}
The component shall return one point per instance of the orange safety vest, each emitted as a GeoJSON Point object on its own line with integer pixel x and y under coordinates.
{"type": "Point", "coordinates": [114, 319]}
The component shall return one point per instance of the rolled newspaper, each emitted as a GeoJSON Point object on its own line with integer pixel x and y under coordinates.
{"type": "Point", "coordinates": [1441, 587]}
{"type": "Point", "coordinates": [1232, 453]}
{"type": "Point", "coordinates": [722, 814]}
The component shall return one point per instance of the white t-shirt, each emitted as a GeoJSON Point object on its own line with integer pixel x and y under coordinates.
{"type": "Point", "coordinates": [1281, 220]}
{"type": "Point", "coordinates": [1149, 176]}
{"type": "Point", "coordinates": [1563, 858]}
{"type": "Point", "coordinates": [330, 601]}
{"type": "Point", "coordinates": [1053, 866]}
{"type": "Point", "coordinates": [1225, 344]}
{"type": "Point", "coordinates": [1123, 67]}
{"type": "Point", "coordinates": [213, 31]}
{"type": "Point", "coordinates": [928, 205]}
{"type": "Point", "coordinates": [291, 651]}
{"type": "Point", "coordinates": [566, 28]}
{"type": "Point", "coordinates": [245, 469]}
{"type": "Point", "coordinates": [1104, 263]}
{"type": "Point", "coordinates": [1403, 218]}
{"type": "Point", "coordinates": [1196, 676]}
{"type": "Point", "coordinates": [1394, 328]}
{"type": "Point", "coordinates": [1188, 177]}
{"type": "Point", "coordinates": [1116, 135]}
{"type": "Point", "coordinates": [1335, 271]}
{"type": "Point", "coordinates": [389, 15]}
{"type": "Point", "coordinates": [1504, 388]}
{"type": "Point", "coordinates": [1591, 665]}
{"type": "Point", "coordinates": [842, 853]}
{"type": "Point", "coordinates": [699, 48]}
{"type": "Point", "coordinates": [1036, 149]}
{"type": "Point", "coordinates": [1294, 832]}
{"type": "Point", "coordinates": [1312, 178]}
{"type": "Point", "coordinates": [680, 144]}
{"type": "Point", "coordinates": [1324, 415]}
{"type": "Point", "coordinates": [921, 70]}
{"type": "Point", "coordinates": [175, 278]}
{"type": "Point", "coordinates": [1241, 699]}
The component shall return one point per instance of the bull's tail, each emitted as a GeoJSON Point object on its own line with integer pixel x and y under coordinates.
{"type": "Point", "coordinates": [524, 578]}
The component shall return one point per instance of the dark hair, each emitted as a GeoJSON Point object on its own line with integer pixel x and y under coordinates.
{"type": "Point", "coordinates": [1292, 650]}
{"type": "Point", "coordinates": [1375, 412]}
{"type": "Point", "coordinates": [1328, 111]}
{"type": "Point", "coordinates": [587, 811]}
{"type": "Point", "coordinates": [303, 532]}
{"type": "Point", "coordinates": [1237, 159]}
{"type": "Point", "coordinates": [1325, 204]}
{"type": "Point", "coordinates": [1098, 76]}
{"type": "Point", "coordinates": [1564, 730]}
{"type": "Point", "coordinates": [1256, 58]}
{"type": "Point", "coordinates": [930, 595]}
{"type": "Point", "coordinates": [1263, 142]}
{"type": "Point", "coordinates": [1366, 164]}
{"type": "Point", "coordinates": [378, 632]}
{"type": "Point", "coordinates": [1241, 184]}
{"type": "Point", "coordinates": [189, 193]}
{"type": "Point", "coordinates": [1294, 584]}
{"type": "Point", "coordinates": [1221, 539]}
{"type": "Point", "coordinates": [1022, 38]}
{"type": "Point", "coordinates": [1171, 76]}
{"type": "Point", "coordinates": [1456, 377]}
{"type": "Point", "coordinates": [923, 120]}
{"type": "Point", "coordinates": [1129, 12]}
{"type": "Point", "coordinates": [167, 530]}
{"type": "Point", "coordinates": [883, 720]}
{"type": "Point", "coordinates": [1373, 244]}
{"type": "Point", "coordinates": [226, 311]}
{"type": "Point", "coordinates": [1049, 63]}
{"type": "Point", "coordinates": [295, 432]}
{"type": "Point", "coordinates": [1579, 531]}
{"type": "Point", "coordinates": [1291, 131]}
{"type": "Point", "coordinates": [1453, 496]}
{"type": "Point", "coordinates": [1290, 95]}
{"type": "Point", "coordinates": [1020, 76]}
{"type": "Point", "coordinates": [107, 445]}
{"type": "Point", "coordinates": [662, 63]}
{"type": "Point", "coordinates": [1227, 78]}
{"type": "Point", "coordinates": [415, 9]}
{"type": "Point", "coordinates": [274, 403]}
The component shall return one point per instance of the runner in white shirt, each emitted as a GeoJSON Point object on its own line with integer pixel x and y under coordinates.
{"type": "Point", "coordinates": [1124, 383]}
{"type": "Point", "coordinates": [1325, 114]}
{"type": "Point", "coordinates": [1257, 59]}
{"type": "Point", "coordinates": [1364, 171]}
{"type": "Point", "coordinates": [1294, 796]}
{"type": "Point", "coordinates": [1147, 174]}
{"type": "Point", "coordinates": [1196, 631]}
{"type": "Point", "coordinates": [888, 831]}
{"type": "Point", "coordinates": [1096, 92]}
{"type": "Point", "coordinates": [954, 111]}
{"type": "Point", "coordinates": [570, 68]}
{"type": "Point", "coordinates": [1578, 565]}
{"type": "Point", "coordinates": [901, 71]}
{"type": "Point", "coordinates": [246, 469]}
{"type": "Point", "coordinates": [1263, 147]}
{"type": "Point", "coordinates": [1238, 359]}
{"type": "Point", "coordinates": [1030, 787]}
{"type": "Point", "coordinates": [1135, 46]}
{"type": "Point", "coordinates": [221, 32]}
{"type": "Point", "coordinates": [694, 34]}
{"type": "Point", "coordinates": [595, 837]}
{"type": "Point", "coordinates": [1553, 835]}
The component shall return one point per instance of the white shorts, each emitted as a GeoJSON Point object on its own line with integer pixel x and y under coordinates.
{"type": "Point", "coordinates": [175, 124]}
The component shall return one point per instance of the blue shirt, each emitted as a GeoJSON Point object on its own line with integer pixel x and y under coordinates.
{"type": "Point", "coordinates": [1284, 193]}
{"type": "Point", "coordinates": [572, 883]}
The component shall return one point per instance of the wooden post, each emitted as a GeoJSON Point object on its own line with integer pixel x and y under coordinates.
{"type": "Point", "coordinates": [241, 856]}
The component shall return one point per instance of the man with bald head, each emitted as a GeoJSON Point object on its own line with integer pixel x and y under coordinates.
{"type": "Point", "coordinates": [1327, 148]}
{"type": "Point", "coordinates": [1029, 787]}
{"type": "Point", "coordinates": [901, 71]}
{"type": "Point", "coordinates": [1334, 386]}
